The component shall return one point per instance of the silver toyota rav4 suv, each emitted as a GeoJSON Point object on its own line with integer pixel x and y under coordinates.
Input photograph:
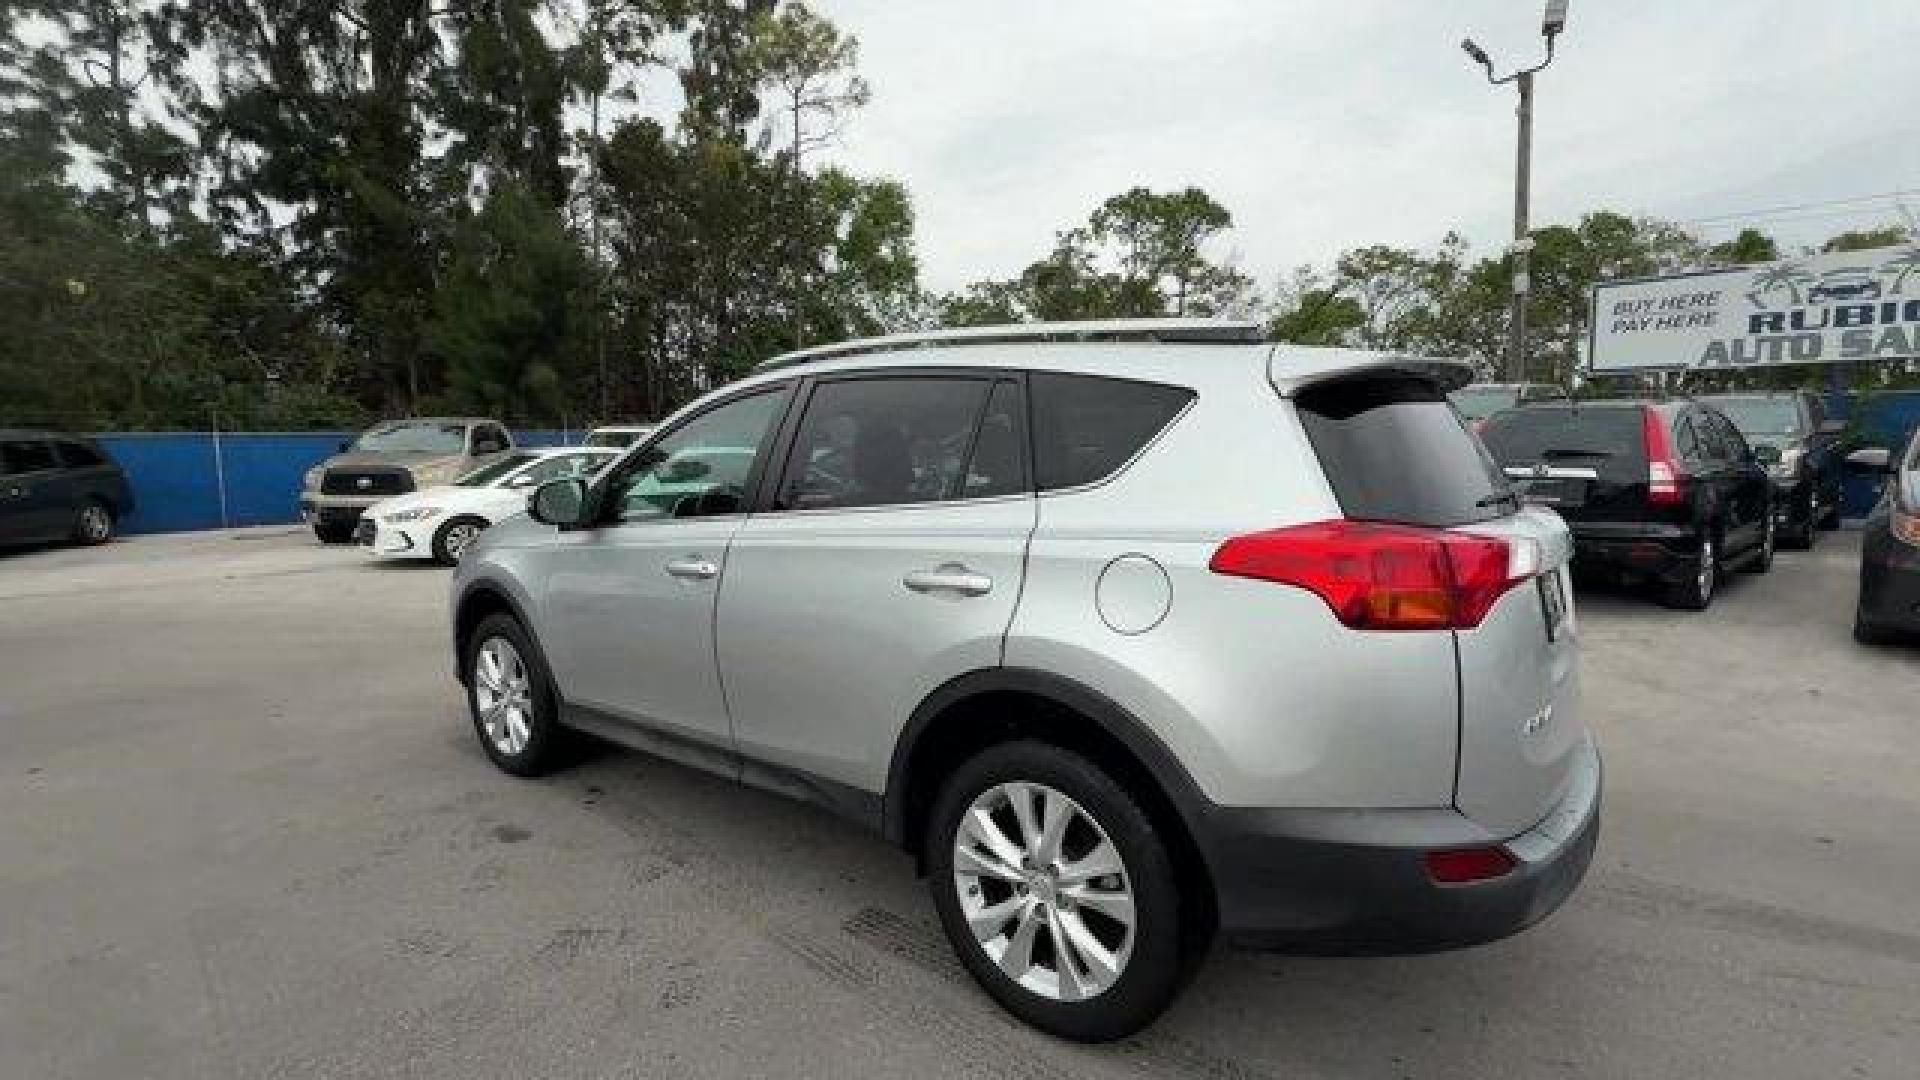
{"type": "Point", "coordinates": [1130, 633]}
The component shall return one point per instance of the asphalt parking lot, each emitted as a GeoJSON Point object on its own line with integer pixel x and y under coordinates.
{"type": "Point", "coordinates": [248, 833]}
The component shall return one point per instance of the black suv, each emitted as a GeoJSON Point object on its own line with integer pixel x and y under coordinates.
{"type": "Point", "coordinates": [1661, 490]}
{"type": "Point", "coordinates": [55, 487]}
{"type": "Point", "coordinates": [1800, 448]}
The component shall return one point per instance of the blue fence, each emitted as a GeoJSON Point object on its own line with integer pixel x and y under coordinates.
{"type": "Point", "coordinates": [208, 480]}
{"type": "Point", "coordinates": [1886, 420]}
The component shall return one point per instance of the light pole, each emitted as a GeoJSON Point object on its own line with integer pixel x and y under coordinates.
{"type": "Point", "coordinates": [1554, 21]}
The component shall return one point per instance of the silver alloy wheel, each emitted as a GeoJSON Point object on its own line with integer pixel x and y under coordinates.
{"type": "Point", "coordinates": [503, 695]}
{"type": "Point", "coordinates": [1044, 890]}
{"type": "Point", "coordinates": [95, 523]}
{"type": "Point", "coordinates": [1703, 580]}
{"type": "Point", "coordinates": [459, 537]}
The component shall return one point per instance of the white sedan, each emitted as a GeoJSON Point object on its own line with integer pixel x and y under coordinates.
{"type": "Point", "coordinates": [439, 522]}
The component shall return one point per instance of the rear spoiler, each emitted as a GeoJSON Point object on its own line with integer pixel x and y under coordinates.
{"type": "Point", "coordinates": [1293, 368]}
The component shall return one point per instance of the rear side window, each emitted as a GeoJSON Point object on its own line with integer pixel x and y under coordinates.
{"type": "Point", "coordinates": [75, 455]}
{"type": "Point", "coordinates": [1086, 427]}
{"type": "Point", "coordinates": [25, 457]}
{"type": "Point", "coordinates": [1572, 436]}
{"type": "Point", "coordinates": [1394, 450]}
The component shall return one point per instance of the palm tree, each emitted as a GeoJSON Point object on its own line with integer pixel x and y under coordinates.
{"type": "Point", "coordinates": [1789, 276]}
{"type": "Point", "coordinates": [1902, 266]}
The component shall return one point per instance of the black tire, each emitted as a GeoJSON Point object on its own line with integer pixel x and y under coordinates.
{"type": "Point", "coordinates": [443, 553]}
{"type": "Point", "coordinates": [1695, 592]}
{"type": "Point", "coordinates": [93, 523]}
{"type": "Point", "coordinates": [1157, 965]}
{"type": "Point", "coordinates": [1866, 632]}
{"type": "Point", "coordinates": [1761, 560]}
{"type": "Point", "coordinates": [332, 532]}
{"type": "Point", "coordinates": [545, 743]}
{"type": "Point", "coordinates": [1805, 530]}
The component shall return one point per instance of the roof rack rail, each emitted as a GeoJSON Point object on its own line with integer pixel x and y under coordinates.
{"type": "Point", "coordinates": [1227, 331]}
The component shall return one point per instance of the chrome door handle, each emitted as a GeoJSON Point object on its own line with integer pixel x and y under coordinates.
{"type": "Point", "coordinates": [951, 577]}
{"type": "Point", "coordinates": [693, 569]}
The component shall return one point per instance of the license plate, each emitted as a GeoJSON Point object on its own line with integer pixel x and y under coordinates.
{"type": "Point", "coordinates": [1553, 601]}
{"type": "Point", "coordinates": [1555, 492]}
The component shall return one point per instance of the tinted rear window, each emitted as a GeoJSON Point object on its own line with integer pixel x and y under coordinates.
{"type": "Point", "coordinates": [1394, 450]}
{"type": "Point", "coordinates": [1528, 435]}
{"type": "Point", "coordinates": [1086, 427]}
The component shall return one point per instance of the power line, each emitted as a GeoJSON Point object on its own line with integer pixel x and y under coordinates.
{"type": "Point", "coordinates": [1773, 211]}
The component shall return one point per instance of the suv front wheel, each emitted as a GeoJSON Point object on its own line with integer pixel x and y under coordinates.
{"type": "Point", "coordinates": [511, 698]}
{"type": "Point", "coordinates": [1056, 891]}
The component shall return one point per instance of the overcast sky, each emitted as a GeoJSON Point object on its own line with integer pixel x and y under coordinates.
{"type": "Point", "coordinates": [1328, 125]}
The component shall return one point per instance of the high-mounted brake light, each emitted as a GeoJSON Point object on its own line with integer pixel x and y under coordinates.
{"type": "Point", "coordinates": [1378, 576]}
{"type": "Point", "coordinates": [1665, 484]}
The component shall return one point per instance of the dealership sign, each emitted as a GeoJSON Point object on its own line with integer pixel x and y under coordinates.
{"type": "Point", "coordinates": [1851, 305]}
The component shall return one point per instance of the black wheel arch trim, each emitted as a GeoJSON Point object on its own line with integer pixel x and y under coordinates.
{"type": "Point", "coordinates": [472, 591]}
{"type": "Point", "coordinates": [1111, 717]}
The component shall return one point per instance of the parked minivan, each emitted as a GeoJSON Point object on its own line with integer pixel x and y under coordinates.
{"type": "Point", "coordinates": [1129, 633]}
{"type": "Point", "coordinates": [59, 487]}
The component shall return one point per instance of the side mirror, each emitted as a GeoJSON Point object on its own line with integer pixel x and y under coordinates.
{"type": "Point", "coordinates": [561, 503]}
{"type": "Point", "coordinates": [1766, 455]}
{"type": "Point", "coordinates": [1874, 459]}
{"type": "Point", "coordinates": [344, 444]}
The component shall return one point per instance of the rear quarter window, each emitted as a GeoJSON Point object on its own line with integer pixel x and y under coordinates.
{"type": "Point", "coordinates": [75, 455]}
{"type": "Point", "coordinates": [1395, 450]}
{"type": "Point", "coordinates": [1085, 427]}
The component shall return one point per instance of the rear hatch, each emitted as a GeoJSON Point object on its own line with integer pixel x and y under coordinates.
{"type": "Point", "coordinates": [1395, 452]}
{"type": "Point", "coordinates": [1588, 462]}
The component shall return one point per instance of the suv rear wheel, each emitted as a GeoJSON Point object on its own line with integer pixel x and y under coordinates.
{"type": "Point", "coordinates": [1695, 591]}
{"type": "Point", "coordinates": [1056, 891]}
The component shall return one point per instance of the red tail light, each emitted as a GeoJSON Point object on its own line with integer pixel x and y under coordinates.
{"type": "Point", "coordinates": [1665, 484]}
{"type": "Point", "coordinates": [1382, 577]}
{"type": "Point", "coordinates": [1469, 865]}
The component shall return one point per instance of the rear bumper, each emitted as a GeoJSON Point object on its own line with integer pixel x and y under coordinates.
{"type": "Point", "coordinates": [1650, 548]}
{"type": "Point", "coordinates": [1349, 881]}
{"type": "Point", "coordinates": [1890, 583]}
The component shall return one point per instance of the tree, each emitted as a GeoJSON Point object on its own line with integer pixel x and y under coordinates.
{"type": "Point", "coordinates": [505, 317]}
{"type": "Point", "coordinates": [1139, 255]}
{"type": "Point", "coordinates": [811, 66]}
{"type": "Point", "coordinates": [1866, 239]}
{"type": "Point", "coordinates": [1750, 246]}
{"type": "Point", "coordinates": [1158, 238]}
{"type": "Point", "coordinates": [323, 111]}
{"type": "Point", "coordinates": [1310, 311]}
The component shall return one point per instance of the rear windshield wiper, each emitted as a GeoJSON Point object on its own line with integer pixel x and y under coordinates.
{"type": "Point", "coordinates": [1498, 498]}
{"type": "Point", "coordinates": [1557, 453]}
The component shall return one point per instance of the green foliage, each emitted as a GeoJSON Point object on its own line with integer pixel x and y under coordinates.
{"type": "Point", "coordinates": [380, 209]}
{"type": "Point", "coordinates": [1139, 255]}
{"type": "Point", "coordinates": [1865, 239]}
